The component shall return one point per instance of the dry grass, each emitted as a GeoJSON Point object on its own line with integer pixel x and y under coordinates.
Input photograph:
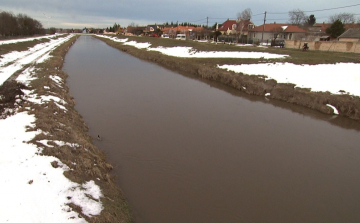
{"type": "Point", "coordinates": [10, 98]}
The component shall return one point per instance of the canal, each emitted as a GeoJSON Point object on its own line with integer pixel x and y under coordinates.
{"type": "Point", "coordinates": [189, 150]}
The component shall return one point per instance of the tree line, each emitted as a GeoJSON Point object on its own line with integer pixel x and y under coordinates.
{"type": "Point", "coordinates": [19, 25]}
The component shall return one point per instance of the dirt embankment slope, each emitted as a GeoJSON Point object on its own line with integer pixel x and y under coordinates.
{"type": "Point", "coordinates": [86, 162]}
{"type": "Point", "coordinates": [347, 105]}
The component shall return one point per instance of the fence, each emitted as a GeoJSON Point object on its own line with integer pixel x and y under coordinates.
{"type": "Point", "coordinates": [333, 46]}
{"type": "Point", "coordinates": [235, 39]}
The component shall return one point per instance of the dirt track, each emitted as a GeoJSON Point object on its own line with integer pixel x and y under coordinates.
{"type": "Point", "coordinates": [348, 106]}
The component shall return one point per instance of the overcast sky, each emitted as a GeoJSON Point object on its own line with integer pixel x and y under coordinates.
{"type": "Point", "coordinates": [104, 13]}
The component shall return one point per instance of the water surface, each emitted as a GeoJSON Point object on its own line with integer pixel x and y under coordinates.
{"type": "Point", "coordinates": [186, 150]}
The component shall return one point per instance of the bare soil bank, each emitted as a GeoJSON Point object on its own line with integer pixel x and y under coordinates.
{"type": "Point", "coordinates": [347, 105]}
{"type": "Point", "coordinates": [86, 162]}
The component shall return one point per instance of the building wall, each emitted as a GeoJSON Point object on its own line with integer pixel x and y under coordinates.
{"type": "Point", "coordinates": [349, 47]}
{"type": "Point", "coordinates": [268, 36]}
{"type": "Point", "coordinates": [349, 40]}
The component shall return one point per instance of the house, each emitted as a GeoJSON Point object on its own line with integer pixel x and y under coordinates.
{"type": "Point", "coordinates": [243, 27]}
{"type": "Point", "coordinates": [273, 31]}
{"type": "Point", "coordinates": [151, 29]}
{"type": "Point", "coordinates": [228, 27]}
{"type": "Point", "coordinates": [187, 30]}
{"type": "Point", "coordinates": [317, 32]}
{"type": "Point", "coordinates": [135, 30]}
{"type": "Point", "coordinates": [350, 35]}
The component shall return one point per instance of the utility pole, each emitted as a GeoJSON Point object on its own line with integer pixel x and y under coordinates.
{"type": "Point", "coordinates": [262, 35]}
{"type": "Point", "coordinates": [48, 17]}
{"type": "Point", "coordinates": [207, 27]}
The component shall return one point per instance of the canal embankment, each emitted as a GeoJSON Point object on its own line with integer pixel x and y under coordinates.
{"type": "Point", "coordinates": [67, 175]}
{"type": "Point", "coordinates": [345, 104]}
{"type": "Point", "coordinates": [188, 149]}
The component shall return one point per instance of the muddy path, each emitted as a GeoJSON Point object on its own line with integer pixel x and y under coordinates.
{"type": "Point", "coordinates": [347, 105]}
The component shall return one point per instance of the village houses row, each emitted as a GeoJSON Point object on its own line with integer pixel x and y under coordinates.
{"type": "Point", "coordinates": [247, 30]}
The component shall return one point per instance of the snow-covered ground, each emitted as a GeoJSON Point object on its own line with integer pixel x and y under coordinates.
{"type": "Point", "coordinates": [3, 42]}
{"type": "Point", "coordinates": [336, 78]}
{"type": "Point", "coordinates": [15, 61]}
{"type": "Point", "coordinates": [189, 52]}
{"type": "Point", "coordinates": [32, 190]}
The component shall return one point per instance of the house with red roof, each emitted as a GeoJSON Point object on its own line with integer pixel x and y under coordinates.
{"type": "Point", "coordinates": [243, 27]}
{"type": "Point", "coordinates": [228, 27]}
{"type": "Point", "coordinates": [279, 31]}
{"type": "Point", "coordinates": [187, 30]}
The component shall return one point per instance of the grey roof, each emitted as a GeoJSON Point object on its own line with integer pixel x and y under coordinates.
{"type": "Point", "coordinates": [351, 33]}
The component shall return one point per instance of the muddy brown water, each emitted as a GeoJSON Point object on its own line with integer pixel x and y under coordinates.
{"type": "Point", "coordinates": [187, 150]}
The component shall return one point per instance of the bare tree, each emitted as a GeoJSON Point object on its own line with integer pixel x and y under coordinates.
{"type": "Point", "coordinates": [297, 17]}
{"type": "Point", "coordinates": [244, 15]}
{"type": "Point", "coordinates": [8, 24]}
{"type": "Point", "coordinates": [132, 24]}
{"type": "Point", "coordinates": [277, 31]}
{"type": "Point", "coordinates": [21, 24]}
{"type": "Point", "coordinates": [343, 17]}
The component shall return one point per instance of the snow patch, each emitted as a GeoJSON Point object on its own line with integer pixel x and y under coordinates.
{"type": "Point", "coordinates": [188, 52]}
{"type": "Point", "coordinates": [320, 77]}
{"type": "Point", "coordinates": [31, 186]}
{"type": "Point", "coordinates": [336, 112]}
{"type": "Point", "coordinates": [137, 45]}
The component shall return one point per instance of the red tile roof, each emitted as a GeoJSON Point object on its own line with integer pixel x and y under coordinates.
{"type": "Point", "coordinates": [245, 25]}
{"type": "Point", "coordinates": [228, 24]}
{"type": "Point", "coordinates": [324, 26]}
{"type": "Point", "coordinates": [182, 28]}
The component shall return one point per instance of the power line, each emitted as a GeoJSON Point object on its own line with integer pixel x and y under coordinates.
{"type": "Point", "coordinates": [198, 20]}
{"type": "Point", "coordinates": [318, 10]}
{"type": "Point", "coordinates": [258, 14]}
{"type": "Point", "coordinates": [279, 13]}
{"type": "Point", "coordinates": [223, 18]}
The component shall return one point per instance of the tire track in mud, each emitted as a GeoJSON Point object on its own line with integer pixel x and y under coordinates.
{"type": "Point", "coordinates": [18, 64]}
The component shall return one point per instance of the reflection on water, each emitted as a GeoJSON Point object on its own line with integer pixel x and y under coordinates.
{"type": "Point", "coordinates": [186, 150]}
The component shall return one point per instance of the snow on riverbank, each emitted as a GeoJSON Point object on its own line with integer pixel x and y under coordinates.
{"type": "Point", "coordinates": [32, 188]}
{"type": "Point", "coordinates": [14, 61]}
{"type": "Point", "coordinates": [3, 42]}
{"type": "Point", "coordinates": [189, 52]}
{"type": "Point", "coordinates": [335, 78]}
